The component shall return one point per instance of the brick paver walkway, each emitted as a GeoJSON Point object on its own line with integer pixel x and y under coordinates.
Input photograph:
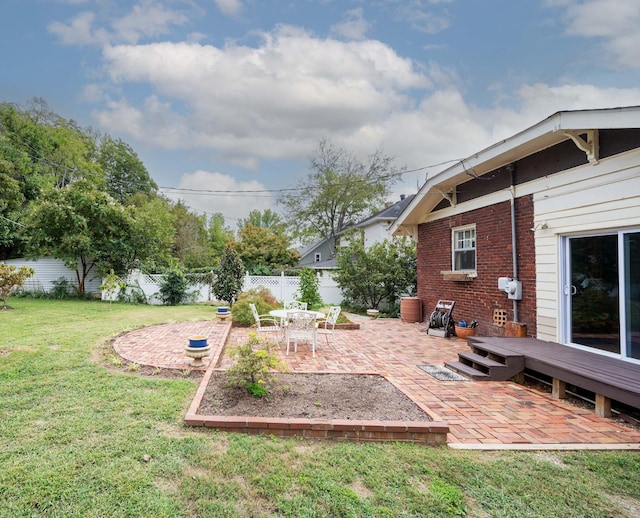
{"type": "Point", "coordinates": [479, 414]}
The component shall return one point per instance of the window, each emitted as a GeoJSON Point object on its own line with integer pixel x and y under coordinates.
{"type": "Point", "coordinates": [318, 258]}
{"type": "Point", "coordinates": [464, 248]}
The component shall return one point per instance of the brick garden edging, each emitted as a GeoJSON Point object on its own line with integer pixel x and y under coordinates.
{"type": "Point", "coordinates": [424, 432]}
{"type": "Point", "coordinates": [427, 432]}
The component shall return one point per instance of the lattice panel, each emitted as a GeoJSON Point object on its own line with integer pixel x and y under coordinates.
{"type": "Point", "coordinates": [500, 317]}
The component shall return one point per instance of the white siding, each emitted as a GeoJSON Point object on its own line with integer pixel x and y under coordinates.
{"type": "Point", "coordinates": [584, 199]}
{"type": "Point", "coordinates": [376, 233]}
{"type": "Point", "coordinates": [49, 269]}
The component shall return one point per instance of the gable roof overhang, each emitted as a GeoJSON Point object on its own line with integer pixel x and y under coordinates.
{"type": "Point", "coordinates": [561, 126]}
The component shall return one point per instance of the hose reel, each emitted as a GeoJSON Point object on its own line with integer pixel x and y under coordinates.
{"type": "Point", "coordinates": [441, 321]}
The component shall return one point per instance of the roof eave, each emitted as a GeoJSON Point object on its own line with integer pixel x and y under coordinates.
{"type": "Point", "coordinates": [546, 133]}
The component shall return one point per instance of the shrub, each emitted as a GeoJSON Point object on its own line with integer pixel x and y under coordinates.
{"type": "Point", "coordinates": [111, 284]}
{"type": "Point", "coordinates": [173, 289]}
{"type": "Point", "coordinates": [261, 297]}
{"type": "Point", "coordinates": [383, 272]}
{"type": "Point", "coordinates": [62, 289]}
{"type": "Point", "coordinates": [308, 291]}
{"type": "Point", "coordinates": [12, 277]}
{"type": "Point", "coordinates": [255, 362]}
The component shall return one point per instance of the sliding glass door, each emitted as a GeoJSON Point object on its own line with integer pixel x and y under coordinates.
{"type": "Point", "coordinates": [632, 294]}
{"type": "Point", "coordinates": [602, 292]}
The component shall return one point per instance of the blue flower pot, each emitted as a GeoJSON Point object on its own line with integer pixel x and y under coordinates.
{"type": "Point", "coordinates": [198, 341]}
{"type": "Point", "coordinates": [223, 313]}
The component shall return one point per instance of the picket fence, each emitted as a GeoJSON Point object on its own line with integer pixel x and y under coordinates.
{"type": "Point", "coordinates": [282, 287]}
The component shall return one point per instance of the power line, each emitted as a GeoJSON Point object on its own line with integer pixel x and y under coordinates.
{"type": "Point", "coordinates": [253, 192]}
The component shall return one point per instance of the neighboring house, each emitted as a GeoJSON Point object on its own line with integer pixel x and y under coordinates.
{"type": "Point", "coordinates": [318, 255]}
{"type": "Point", "coordinates": [374, 229]}
{"type": "Point", "coordinates": [555, 208]}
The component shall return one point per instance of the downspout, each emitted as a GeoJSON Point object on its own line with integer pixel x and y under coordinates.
{"type": "Point", "coordinates": [513, 240]}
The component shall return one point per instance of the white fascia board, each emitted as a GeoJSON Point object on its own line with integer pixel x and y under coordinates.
{"type": "Point", "coordinates": [609, 118]}
{"type": "Point", "coordinates": [542, 135]}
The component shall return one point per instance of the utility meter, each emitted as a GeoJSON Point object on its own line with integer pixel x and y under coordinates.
{"type": "Point", "coordinates": [511, 287]}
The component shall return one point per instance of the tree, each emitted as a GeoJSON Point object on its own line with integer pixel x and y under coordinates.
{"type": "Point", "coordinates": [12, 277]}
{"type": "Point", "coordinates": [191, 241]}
{"type": "Point", "coordinates": [61, 151]}
{"type": "Point", "coordinates": [230, 278]}
{"type": "Point", "coordinates": [125, 174]}
{"type": "Point", "coordinates": [87, 229]}
{"type": "Point", "coordinates": [11, 200]}
{"type": "Point", "coordinates": [262, 248]}
{"type": "Point", "coordinates": [219, 235]}
{"type": "Point", "coordinates": [383, 272]}
{"type": "Point", "coordinates": [339, 191]}
{"type": "Point", "coordinates": [30, 149]}
{"type": "Point", "coordinates": [153, 229]}
{"type": "Point", "coordinates": [265, 219]}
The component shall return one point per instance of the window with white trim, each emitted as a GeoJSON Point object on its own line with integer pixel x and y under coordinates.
{"type": "Point", "coordinates": [318, 257]}
{"type": "Point", "coordinates": [464, 248]}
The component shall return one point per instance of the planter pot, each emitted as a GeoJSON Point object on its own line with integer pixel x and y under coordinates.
{"type": "Point", "coordinates": [464, 332]}
{"type": "Point", "coordinates": [223, 312]}
{"type": "Point", "coordinates": [197, 341]}
{"type": "Point", "coordinates": [373, 313]}
{"type": "Point", "coordinates": [197, 354]}
{"type": "Point", "coordinates": [411, 309]}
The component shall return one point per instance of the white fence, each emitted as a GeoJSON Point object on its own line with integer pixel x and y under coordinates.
{"type": "Point", "coordinates": [282, 287]}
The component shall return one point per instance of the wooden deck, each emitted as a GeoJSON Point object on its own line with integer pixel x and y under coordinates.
{"type": "Point", "coordinates": [608, 378]}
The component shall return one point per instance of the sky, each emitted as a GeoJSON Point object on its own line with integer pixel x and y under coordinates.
{"type": "Point", "coordinates": [225, 100]}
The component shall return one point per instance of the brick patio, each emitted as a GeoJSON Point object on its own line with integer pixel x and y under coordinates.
{"type": "Point", "coordinates": [480, 415]}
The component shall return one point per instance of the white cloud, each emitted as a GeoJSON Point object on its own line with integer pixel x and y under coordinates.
{"type": "Point", "coordinates": [170, 129]}
{"type": "Point", "coordinates": [276, 101]}
{"type": "Point", "coordinates": [232, 203]}
{"type": "Point", "coordinates": [79, 31]}
{"type": "Point", "coordinates": [146, 19]}
{"type": "Point", "coordinates": [229, 7]}
{"type": "Point", "coordinates": [273, 101]}
{"type": "Point", "coordinates": [615, 21]}
{"type": "Point", "coordinates": [423, 20]}
{"type": "Point", "coordinates": [354, 26]}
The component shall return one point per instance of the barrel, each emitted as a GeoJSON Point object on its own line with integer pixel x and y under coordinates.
{"type": "Point", "coordinates": [411, 309]}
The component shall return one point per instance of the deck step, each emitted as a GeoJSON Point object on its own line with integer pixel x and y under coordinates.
{"type": "Point", "coordinates": [466, 370]}
{"type": "Point", "coordinates": [493, 350]}
{"type": "Point", "coordinates": [496, 363]}
{"type": "Point", "coordinates": [480, 360]}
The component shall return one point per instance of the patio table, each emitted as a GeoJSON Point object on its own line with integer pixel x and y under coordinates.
{"type": "Point", "coordinates": [284, 313]}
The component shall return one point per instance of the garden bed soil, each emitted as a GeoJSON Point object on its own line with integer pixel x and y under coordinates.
{"type": "Point", "coordinates": [314, 396]}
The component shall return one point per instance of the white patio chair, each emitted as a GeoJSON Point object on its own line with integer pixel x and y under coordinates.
{"type": "Point", "coordinates": [295, 304]}
{"type": "Point", "coordinates": [327, 326]}
{"type": "Point", "coordinates": [301, 326]}
{"type": "Point", "coordinates": [265, 323]}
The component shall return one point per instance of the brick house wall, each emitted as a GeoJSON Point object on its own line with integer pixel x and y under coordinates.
{"type": "Point", "coordinates": [476, 299]}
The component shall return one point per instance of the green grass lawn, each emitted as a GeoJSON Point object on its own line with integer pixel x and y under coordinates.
{"type": "Point", "coordinates": [78, 439]}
